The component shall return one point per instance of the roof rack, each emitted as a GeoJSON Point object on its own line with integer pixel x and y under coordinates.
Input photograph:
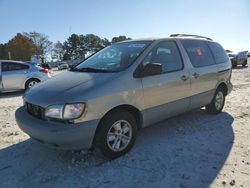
{"type": "Point", "coordinates": [188, 35]}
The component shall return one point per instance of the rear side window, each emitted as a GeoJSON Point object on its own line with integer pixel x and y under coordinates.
{"type": "Point", "coordinates": [219, 53]}
{"type": "Point", "coordinates": [198, 52]}
{"type": "Point", "coordinates": [11, 66]}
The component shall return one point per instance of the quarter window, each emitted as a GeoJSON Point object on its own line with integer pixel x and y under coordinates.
{"type": "Point", "coordinates": [219, 53]}
{"type": "Point", "coordinates": [167, 54]}
{"type": "Point", "coordinates": [198, 53]}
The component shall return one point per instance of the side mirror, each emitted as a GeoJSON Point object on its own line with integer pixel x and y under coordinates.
{"type": "Point", "coordinates": [148, 70]}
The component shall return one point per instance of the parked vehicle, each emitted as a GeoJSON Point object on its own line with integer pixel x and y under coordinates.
{"type": "Point", "coordinates": [238, 58]}
{"type": "Point", "coordinates": [17, 75]}
{"type": "Point", "coordinates": [231, 55]}
{"type": "Point", "coordinates": [63, 66]}
{"type": "Point", "coordinates": [127, 86]}
{"type": "Point", "coordinates": [45, 66]}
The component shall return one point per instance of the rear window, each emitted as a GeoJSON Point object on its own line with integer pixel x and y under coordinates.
{"type": "Point", "coordinates": [219, 53]}
{"type": "Point", "coordinates": [198, 52]}
{"type": "Point", "coordinates": [242, 55]}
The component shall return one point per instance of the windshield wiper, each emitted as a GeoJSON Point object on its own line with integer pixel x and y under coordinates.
{"type": "Point", "coordinates": [89, 69]}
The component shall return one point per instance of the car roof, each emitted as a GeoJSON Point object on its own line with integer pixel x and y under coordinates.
{"type": "Point", "coordinates": [166, 38]}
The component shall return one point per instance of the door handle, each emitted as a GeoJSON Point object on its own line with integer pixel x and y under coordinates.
{"type": "Point", "coordinates": [196, 75]}
{"type": "Point", "coordinates": [184, 78]}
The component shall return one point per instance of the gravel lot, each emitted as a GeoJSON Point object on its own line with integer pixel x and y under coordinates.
{"type": "Point", "coordinates": [191, 150]}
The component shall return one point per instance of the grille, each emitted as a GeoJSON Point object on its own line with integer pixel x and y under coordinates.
{"type": "Point", "coordinates": [35, 110]}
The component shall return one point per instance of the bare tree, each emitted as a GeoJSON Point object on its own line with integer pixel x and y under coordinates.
{"type": "Point", "coordinates": [57, 51]}
{"type": "Point", "coordinates": [42, 42]}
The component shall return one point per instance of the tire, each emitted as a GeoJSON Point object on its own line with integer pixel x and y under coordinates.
{"type": "Point", "coordinates": [121, 127]}
{"type": "Point", "coordinates": [245, 63]}
{"type": "Point", "coordinates": [31, 82]}
{"type": "Point", "coordinates": [234, 64]}
{"type": "Point", "coordinates": [218, 102]}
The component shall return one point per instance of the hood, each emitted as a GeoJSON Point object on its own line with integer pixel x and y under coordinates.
{"type": "Point", "coordinates": [65, 87]}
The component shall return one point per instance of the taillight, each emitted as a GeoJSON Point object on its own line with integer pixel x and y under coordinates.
{"type": "Point", "coordinates": [46, 71]}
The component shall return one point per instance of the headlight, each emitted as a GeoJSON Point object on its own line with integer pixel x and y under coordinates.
{"type": "Point", "coordinates": [66, 112]}
{"type": "Point", "coordinates": [54, 111]}
{"type": "Point", "coordinates": [73, 111]}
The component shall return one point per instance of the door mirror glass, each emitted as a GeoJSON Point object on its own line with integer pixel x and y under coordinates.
{"type": "Point", "coordinates": [150, 69]}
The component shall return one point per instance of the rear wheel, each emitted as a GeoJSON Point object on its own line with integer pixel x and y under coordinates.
{"type": "Point", "coordinates": [116, 134]}
{"type": "Point", "coordinates": [218, 102]}
{"type": "Point", "coordinates": [31, 82]}
{"type": "Point", "coordinates": [245, 63]}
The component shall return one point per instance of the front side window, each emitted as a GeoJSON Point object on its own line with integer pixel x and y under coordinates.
{"type": "Point", "coordinates": [167, 54]}
{"type": "Point", "coordinates": [198, 53]}
{"type": "Point", "coordinates": [114, 58]}
{"type": "Point", "coordinates": [11, 66]}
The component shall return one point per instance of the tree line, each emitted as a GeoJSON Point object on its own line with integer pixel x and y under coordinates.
{"type": "Point", "coordinates": [24, 45]}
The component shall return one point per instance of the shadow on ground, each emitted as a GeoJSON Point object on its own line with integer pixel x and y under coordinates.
{"type": "Point", "coordinates": [12, 94]}
{"type": "Point", "coordinates": [185, 151]}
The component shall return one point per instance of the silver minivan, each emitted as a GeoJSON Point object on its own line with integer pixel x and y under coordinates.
{"type": "Point", "coordinates": [17, 75]}
{"type": "Point", "coordinates": [107, 98]}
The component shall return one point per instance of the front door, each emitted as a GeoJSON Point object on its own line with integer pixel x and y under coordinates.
{"type": "Point", "coordinates": [166, 94]}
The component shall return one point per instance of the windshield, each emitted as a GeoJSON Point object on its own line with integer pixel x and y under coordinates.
{"type": "Point", "coordinates": [114, 58]}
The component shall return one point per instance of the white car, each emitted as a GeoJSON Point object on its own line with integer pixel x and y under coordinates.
{"type": "Point", "coordinates": [17, 75]}
{"type": "Point", "coordinates": [63, 66]}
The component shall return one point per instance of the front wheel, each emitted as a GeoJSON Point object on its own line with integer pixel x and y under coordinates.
{"type": "Point", "coordinates": [116, 134]}
{"type": "Point", "coordinates": [217, 103]}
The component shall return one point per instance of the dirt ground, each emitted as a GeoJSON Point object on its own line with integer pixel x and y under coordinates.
{"type": "Point", "coordinates": [192, 150]}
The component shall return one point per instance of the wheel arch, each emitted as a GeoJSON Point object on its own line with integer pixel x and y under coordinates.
{"type": "Point", "coordinates": [223, 85]}
{"type": "Point", "coordinates": [131, 109]}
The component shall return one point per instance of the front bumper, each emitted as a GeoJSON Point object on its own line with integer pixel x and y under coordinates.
{"type": "Point", "coordinates": [57, 134]}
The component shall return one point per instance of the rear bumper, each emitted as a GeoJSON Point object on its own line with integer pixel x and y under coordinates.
{"type": "Point", "coordinates": [239, 61]}
{"type": "Point", "coordinates": [56, 134]}
{"type": "Point", "coordinates": [44, 77]}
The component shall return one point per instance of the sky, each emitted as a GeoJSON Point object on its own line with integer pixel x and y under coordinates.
{"type": "Point", "coordinates": [225, 21]}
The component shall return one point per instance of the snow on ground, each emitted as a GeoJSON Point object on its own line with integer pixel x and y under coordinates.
{"type": "Point", "coordinates": [191, 150]}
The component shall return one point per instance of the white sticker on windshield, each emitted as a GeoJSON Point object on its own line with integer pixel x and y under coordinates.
{"type": "Point", "coordinates": [137, 45]}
